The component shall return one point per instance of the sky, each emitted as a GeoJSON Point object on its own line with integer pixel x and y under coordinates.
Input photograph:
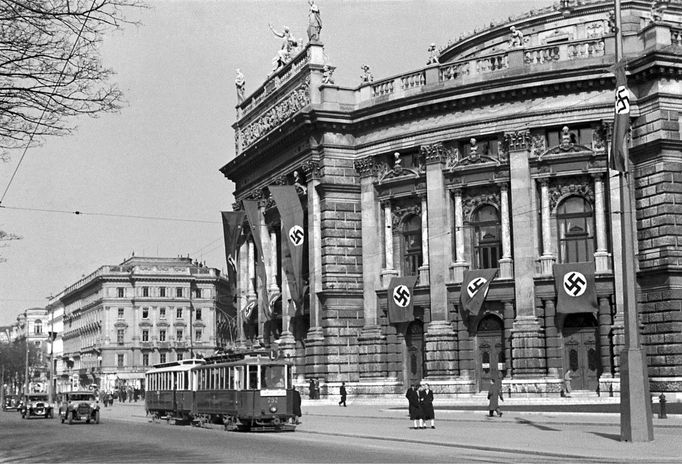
{"type": "Point", "coordinates": [148, 176]}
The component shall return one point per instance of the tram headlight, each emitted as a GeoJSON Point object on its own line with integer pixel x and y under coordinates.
{"type": "Point", "coordinates": [273, 408]}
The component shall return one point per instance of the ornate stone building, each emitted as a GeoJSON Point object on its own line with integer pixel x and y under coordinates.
{"type": "Point", "coordinates": [492, 156]}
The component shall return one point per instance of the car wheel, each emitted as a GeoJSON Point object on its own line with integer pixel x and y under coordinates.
{"type": "Point", "coordinates": [96, 417]}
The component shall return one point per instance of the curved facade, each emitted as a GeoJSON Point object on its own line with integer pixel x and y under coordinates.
{"type": "Point", "coordinates": [493, 158]}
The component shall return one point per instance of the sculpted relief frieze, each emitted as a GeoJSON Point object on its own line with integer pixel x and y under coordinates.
{"type": "Point", "coordinates": [274, 117]}
{"type": "Point", "coordinates": [567, 186]}
{"type": "Point", "coordinates": [471, 201]}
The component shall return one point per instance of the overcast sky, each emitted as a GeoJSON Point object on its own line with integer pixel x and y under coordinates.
{"type": "Point", "coordinates": [159, 157]}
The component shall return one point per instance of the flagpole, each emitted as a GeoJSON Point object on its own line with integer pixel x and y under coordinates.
{"type": "Point", "coordinates": [636, 423]}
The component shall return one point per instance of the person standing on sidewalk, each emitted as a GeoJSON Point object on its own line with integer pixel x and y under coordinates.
{"type": "Point", "coordinates": [342, 391]}
{"type": "Point", "coordinates": [426, 401]}
{"type": "Point", "coordinates": [413, 401]}
{"type": "Point", "coordinates": [567, 383]}
{"type": "Point", "coordinates": [494, 392]}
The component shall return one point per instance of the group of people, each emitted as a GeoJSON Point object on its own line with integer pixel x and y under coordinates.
{"type": "Point", "coordinates": [420, 401]}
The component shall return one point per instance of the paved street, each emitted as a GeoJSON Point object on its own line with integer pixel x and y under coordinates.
{"type": "Point", "coordinates": [362, 432]}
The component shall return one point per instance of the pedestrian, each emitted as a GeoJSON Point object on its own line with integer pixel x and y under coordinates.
{"type": "Point", "coordinates": [426, 402]}
{"type": "Point", "coordinates": [567, 383]}
{"type": "Point", "coordinates": [412, 396]}
{"type": "Point", "coordinates": [494, 392]}
{"type": "Point", "coordinates": [296, 407]}
{"type": "Point", "coordinates": [311, 387]}
{"type": "Point", "coordinates": [342, 391]}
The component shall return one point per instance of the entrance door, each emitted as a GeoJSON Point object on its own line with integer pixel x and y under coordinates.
{"type": "Point", "coordinates": [490, 343]}
{"type": "Point", "coordinates": [581, 356]}
{"type": "Point", "coordinates": [414, 338]}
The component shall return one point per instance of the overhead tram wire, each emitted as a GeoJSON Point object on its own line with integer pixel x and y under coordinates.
{"type": "Point", "coordinates": [42, 114]}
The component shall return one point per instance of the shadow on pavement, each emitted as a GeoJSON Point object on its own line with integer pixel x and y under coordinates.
{"type": "Point", "coordinates": [537, 426]}
{"type": "Point", "coordinates": [609, 436]}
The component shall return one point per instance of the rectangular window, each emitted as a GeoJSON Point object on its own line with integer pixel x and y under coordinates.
{"type": "Point", "coordinates": [178, 292]}
{"type": "Point", "coordinates": [197, 334]}
{"type": "Point", "coordinates": [145, 291]}
{"type": "Point", "coordinates": [121, 292]}
{"type": "Point", "coordinates": [162, 335]}
{"type": "Point", "coordinates": [162, 357]}
{"type": "Point", "coordinates": [145, 359]}
{"type": "Point", "coordinates": [145, 335]}
{"type": "Point", "coordinates": [198, 314]}
{"type": "Point", "coordinates": [179, 357]}
{"type": "Point", "coordinates": [145, 313]}
{"type": "Point", "coordinates": [119, 336]}
{"type": "Point", "coordinates": [121, 313]}
{"type": "Point", "coordinates": [178, 335]}
{"type": "Point", "coordinates": [178, 313]}
{"type": "Point", "coordinates": [162, 292]}
{"type": "Point", "coordinates": [197, 293]}
{"type": "Point", "coordinates": [162, 313]}
{"type": "Point", "coordinates": [119, 360]}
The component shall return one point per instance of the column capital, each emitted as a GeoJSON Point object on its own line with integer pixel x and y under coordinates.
{"type": "Point", "coordinates": [367, 166]}
{"type": "Point", "coordinates": [543, 181]}
{"type": "Point", "coordinates": [598, 176]}
{"type": "Point", "coordinates": [504, 187]}
{"type": "Point", "coordinates": [458, 191]}
{"type": "Point", "coordinates": [311, 169]}
{"type": "Point", "coordinates": [516, 141]}
{"type": "Point", "coordinates": [434, 153]}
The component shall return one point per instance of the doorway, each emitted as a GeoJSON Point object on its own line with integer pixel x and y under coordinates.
{"type": "Point", "coordinates": [490, 347]}
{"type": "Point", "coordinates": [581, 352]}
{"type": "Point", "coordinates": [414, 339]}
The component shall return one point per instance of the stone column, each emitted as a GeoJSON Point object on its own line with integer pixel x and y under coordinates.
{"type": "Point", "coordinates": [601, 256]}
{"type": "Point", "coordinates": [605, 321]}
{"type": "Point", "coordinates": [508, 324]}
{"type": "Point", "coordinates": [287, 343]}
{"type": "Point", "coordinates": [311, 171]}
{"type": "Point", "coordinates": [552, 340]}
{"type": "Point", "coordinates": [372, 343]}
{"type": "Point", "coordinates": [528, 350]}
{"type": "Point", "coordinates": [243, 282]}
{"type": "Point", "coordinates": [440, 338]}
{"type": "Point", "coordinates": [263, 290]}
{"type": "Point", "coordinates": [460, 264]}
{"type": "Point", "coordinates": [272, 277]}
{"type": "Point", "coordinates": [389, 271]}
{"type": "Point", "coordinates": [547, 258]}
{"type": "Point", "coordinates": [424, 268]}
{"type": "Point", "coordinates": [506, 263]}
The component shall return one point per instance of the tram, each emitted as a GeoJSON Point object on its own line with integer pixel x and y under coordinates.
{"type": "Point", "coordinates": [247, 392]}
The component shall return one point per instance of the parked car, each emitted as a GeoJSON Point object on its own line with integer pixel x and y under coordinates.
{"type": "Point", "coordinates": [79, 405]}
{"type": "Point", "coordinates": [36, 404]}
{"type": "Point", "coordinates": [11, 403]}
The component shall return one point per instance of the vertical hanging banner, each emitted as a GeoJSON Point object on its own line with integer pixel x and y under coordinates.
{"type": "Point", "coordinates": [475, 286]}
{"type": "Point", "coordinates": [291, 213]}
{"type": "Point", "coordinates": [575, 288]}
{"type": "Point", "coordinates": [253, 216]}
{"type": "Point", "coordinates": [232, 230]}
{"type": "Point", "coordinates": [401, 299]}
{"type": "Point", "coordinates": [621, 122]}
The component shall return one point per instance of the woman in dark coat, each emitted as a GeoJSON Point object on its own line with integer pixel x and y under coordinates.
{"type": "Point", "coordinates": [494, 393]}
{"type": "Point", "coordinates": [415, 409]}
{"type": "Point", "coordinates": [426, 400]}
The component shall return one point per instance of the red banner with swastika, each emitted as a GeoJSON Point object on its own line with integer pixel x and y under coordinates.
{"type": "Point", "coordinates": [401, 299]}
{"type": "Point", "coordinates": [575, 288]}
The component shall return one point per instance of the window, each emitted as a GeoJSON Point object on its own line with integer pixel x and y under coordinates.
{"type": "Point", "coordinates": [38, 327]}
{"type": "Point", "coordinates": [145, 335]}
{"type": "Point", "coordinates": [162, 313]}
{"type": "Point", "coordinates": [412, 246]}
{"type": "Point", "coordinates": [119, 336]}
{"type": "Point", "coordinates": [121, 292]}
{"type": "Point", "coordinates": [145, 291]}
{"type": "Point", "coordinates": [145, 313]}
{"type": "Point", "coordinates": [576, 230]}
{"type": "Point", "coordinates": [197, 293]}
{"type": "Point", "coordinates": [145, 359]}
{"type": "Point", "coordinates": [198, 314]}
{"type": "Point", "coordinates": [121, 313]}
{"type": "Point", "coordinates": [178, 292]}
{"type": "Point", "coordinates": [119, 360]}
{"type": "Point", "coordinates": [178, 313]}
{"type": "Point", "coordinates": [162, 357]}
{"type": "Point", "coordinates": [162, 292]}
{"type": "Point", "coordinates": [162, 335]}
{"type": "Point", "coordinates": [197, 334]}
{"type": "Point", "coordinates": [179, 357]}
{"type": "Point", "coordinates": [487, 240]}
{"type": "Point", "coordinates": [178, 335]}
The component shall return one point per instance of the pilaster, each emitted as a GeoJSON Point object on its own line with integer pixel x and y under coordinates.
{"type": "Point", "coordinates": [547, 258]}
{"type": "Point", "coordinates": [388, 272]}
{"type": "Point", "coordinates": [315, 333]}
{"type": "Point", "coordinates": [528, 348]}
{"type": "Point", "coordinates": [553, 341]}
{"type": "Point", "coordinates": [601, 255]}
{"type": "Point", "coordinates": [460, 264]}
{"type": "Point", "coordinates": [506, 262]}
{"type": "Point", "coordinates": [441, 350]}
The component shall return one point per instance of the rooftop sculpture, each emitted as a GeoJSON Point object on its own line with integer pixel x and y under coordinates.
{"type": "Point", "coordinates": [314, 22]}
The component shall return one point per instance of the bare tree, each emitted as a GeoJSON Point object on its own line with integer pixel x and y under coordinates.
{"type": "Point", "coordinates": [50, 66]}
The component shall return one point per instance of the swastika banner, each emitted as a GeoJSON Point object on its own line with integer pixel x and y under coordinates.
{"type": "Point", "coordinates": [254, 217]}
{"type": "Point", "coordinates": [621, 122]}
{"type": "Point", "coordinates": [232, 230]}
{"type": "Point", "coordinates": [401, 299]}
{"type": "Point", "coordinates": [575, 288]}
{"type": "Point", "coordinates": [475, 286]}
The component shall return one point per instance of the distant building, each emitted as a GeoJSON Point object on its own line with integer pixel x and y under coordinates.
{"type": "Point", "coordinates": [120, 320]}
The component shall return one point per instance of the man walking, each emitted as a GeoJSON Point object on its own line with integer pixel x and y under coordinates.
{"type": "Point", "coordinates": [494, 393]}
{"type": "Point", "coordinates": [342, 391]}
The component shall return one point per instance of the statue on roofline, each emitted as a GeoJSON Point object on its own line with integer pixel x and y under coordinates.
{"type": "Point", "coordinates": [366, 76]}
{"type": "Point", "coordinates": [433, 54]}
{"type": "Point", "coordinates": [289, 44]}
{"type": "Point", "coordinates": [314, 22]}
{"type": "Point", "coordinates": [240, 83]}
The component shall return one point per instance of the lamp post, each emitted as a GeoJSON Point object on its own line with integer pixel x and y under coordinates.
{"type": "Point", "coordinates": [26, 344]}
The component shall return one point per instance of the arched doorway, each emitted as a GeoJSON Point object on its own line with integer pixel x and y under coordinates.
{"type": "Point", "coordinates": [414, 339]}
{"type": "Point", "coordinates": [490, 348]}
{"type": "Point", "coordinates": [581, 353]}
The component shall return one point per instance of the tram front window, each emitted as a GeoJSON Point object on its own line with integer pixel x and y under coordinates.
{"type": "Point", "coordinates": [272, 377]}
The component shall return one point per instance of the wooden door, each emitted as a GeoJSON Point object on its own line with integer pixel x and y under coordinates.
{"type": "Point", "coordinates": [414, 339]}
{"type": "Point", "coordinates": [490, 348]}
{"type": "Point", "coordinates": [581, 356]}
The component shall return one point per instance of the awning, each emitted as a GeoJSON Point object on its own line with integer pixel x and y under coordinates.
{"type": "Point", "coordinates": [129, 375]}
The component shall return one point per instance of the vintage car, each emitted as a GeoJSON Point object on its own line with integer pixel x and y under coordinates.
{"type": "Point", "coordinates": [79, 405]}
{"type": "Point", "coordinates": [36, 404]}
{"type": "Point", "coordinates": [11, 403]}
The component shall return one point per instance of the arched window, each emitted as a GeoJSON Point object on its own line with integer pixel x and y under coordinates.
{"type": "Point", "coordinates": [575, 226]}
{"type": "Point", "coordinates": [412, 246]}
{"type": "Point", "coordinates": [487, 246]}
{"type": "Point", "coordinates": [38, 327]}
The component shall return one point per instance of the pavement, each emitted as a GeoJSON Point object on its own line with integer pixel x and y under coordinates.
{"type": "Point", "coordinates": [544, 436]}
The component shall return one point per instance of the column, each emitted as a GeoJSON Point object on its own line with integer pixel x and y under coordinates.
{"type": "Point", "coordinates": [252, 293]}
{"type": "Point", "coordinates": [547, 258]}
{"type": "Point", "coordinates": [552, 341]}
{"type": "Point", "coordinates": [601, 255]}
{"type": "Point", "coordinates": [263, 292]}
{"type": "Point", "coordinates": [287, 343]}
{"type": "Point", "coordinates": [388, 272]}
{"type": "Point", "coordinates": [372, 343]}
{"type": "Point", "coordinates": [508, 324]}
{"type": "Point", "coordinates": [460, 264]}
{"type": "Point", "coordinates": [272, 277]}
{"type": "Point", "coordinates": [440, 337]}
{"type": "Point", "coordinates": [605, 340]}
{"type": "Point", "coordinates": [424, 268]}
{"type": "Point", "coordinates": [242, 281]}
{"type": "Point", "coordinates": [506, 270]}
{"type": "Point", "coordinates": [528, 346]}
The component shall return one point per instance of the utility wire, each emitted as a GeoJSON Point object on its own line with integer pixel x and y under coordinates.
{"type": "Point", "coordinates": [54, 90]}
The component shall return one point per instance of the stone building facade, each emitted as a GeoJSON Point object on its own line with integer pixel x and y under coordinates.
{"type": "Point", "coordinates": [493, 157]}
{"type": "Point", "coordinates": [120, 320]}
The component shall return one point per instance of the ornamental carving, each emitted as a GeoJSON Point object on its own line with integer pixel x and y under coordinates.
{"type": "Point", "coordinates": [367, 166]}
{"type": "Point", "coordinates": [400, 212]}
{"type": "Point", "coordinates": [478, 154]}
{"type": "Point", "coordinates": [515, 141]}
{"type": "Point", "coordinates": [274, 117]}
{"type": "Point", "coordinates": [567, 144]}
{"type": "Point", "coordinates": [299, 182]}
{"type": "Point", "coordinates": [385, 171]}
{"type": "Point", "coordinates": [311, 169]}
{"type": "Point", "coordinates": [434, 153]}
{"type": "Point", "coordinates": [568, 186]}
{"type": "Point", "coordinates": [483, 196]}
